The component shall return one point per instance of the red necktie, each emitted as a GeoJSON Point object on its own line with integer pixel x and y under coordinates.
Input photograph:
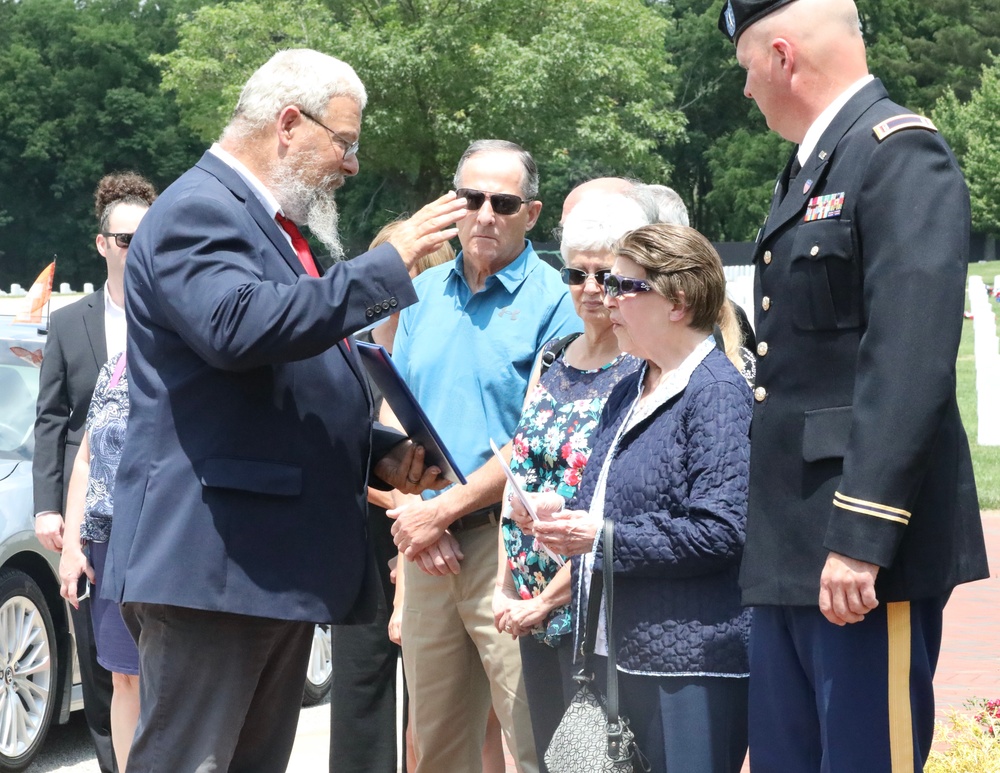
{"type": "Point", "coordinates": [299, 244]}
{"type": "Point", "coordinates": [301, 247]}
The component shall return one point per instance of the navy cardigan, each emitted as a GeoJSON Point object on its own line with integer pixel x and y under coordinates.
{"type": "Point", "coordinates": [677, 492]}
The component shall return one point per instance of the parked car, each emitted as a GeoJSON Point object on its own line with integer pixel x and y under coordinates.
{"type": "Point", "coordinates": [40, 677]}
{"type": "Point", "coordinates": [319, 674]}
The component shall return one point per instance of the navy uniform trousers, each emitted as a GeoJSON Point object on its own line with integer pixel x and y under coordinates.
{"type": "Point", "coordinates": [872, 681]}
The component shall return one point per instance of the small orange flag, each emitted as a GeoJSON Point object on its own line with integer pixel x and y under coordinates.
{"type": "Point", "coordinates": [37, 297]}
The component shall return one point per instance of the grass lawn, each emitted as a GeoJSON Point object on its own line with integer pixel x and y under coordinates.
{"type": "Point", "coordinates": [985, 459]}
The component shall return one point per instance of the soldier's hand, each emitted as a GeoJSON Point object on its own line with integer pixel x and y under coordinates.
{"type": "Point", "coordinates": [847, 589]}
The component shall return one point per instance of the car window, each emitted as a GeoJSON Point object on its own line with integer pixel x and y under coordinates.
{"type": "Point", "coordinates": [18, 393]}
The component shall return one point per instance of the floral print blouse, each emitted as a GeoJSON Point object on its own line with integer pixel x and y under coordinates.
{"type": "Point", "coordinates": [550, 450]}
{"type": "Point", "coordinates": [106, 421]}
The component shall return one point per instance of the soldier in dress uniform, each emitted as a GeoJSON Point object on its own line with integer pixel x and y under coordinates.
{"type": "Point", "coordinates": [863, 514]}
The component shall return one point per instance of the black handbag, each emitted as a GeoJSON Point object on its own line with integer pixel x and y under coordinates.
{"type": "Point", "coordinates": [592, 735]}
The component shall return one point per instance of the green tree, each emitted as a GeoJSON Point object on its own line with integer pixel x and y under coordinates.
{"type": "Point", "coordinates": [922, 48]}
{"type": "Point", "coordinates": [583, 84]}
{"type": "Point", "coordinates": [973, 130]}
{"type": "Point", "coordinates": [727, 166]}
{"type": "Point", "coordinates": [78, 98]}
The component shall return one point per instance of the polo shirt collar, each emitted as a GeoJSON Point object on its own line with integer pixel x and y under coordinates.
{"type": "Point", "coordinates": [510, 276]}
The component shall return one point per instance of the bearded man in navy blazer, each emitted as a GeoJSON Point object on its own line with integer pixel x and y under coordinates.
{"type": "Point", "coordinates": [240, 499]}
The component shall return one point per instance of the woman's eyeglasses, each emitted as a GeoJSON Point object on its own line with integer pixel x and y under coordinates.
{"type": "Point", "coordinates": [502, 203]}
{"type": "Point", "coordinates": [574, 276]}
{"type": "Point", "coordinates": [616, 286]}
{"type": "Point", "coordinates": [122, 240]}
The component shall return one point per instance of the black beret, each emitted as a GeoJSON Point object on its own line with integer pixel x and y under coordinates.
{"type": "Point", "coordinates": [737, 15]}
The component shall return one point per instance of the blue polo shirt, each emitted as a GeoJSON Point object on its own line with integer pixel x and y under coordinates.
{"type": "Point", "coordinates": [467, 356]}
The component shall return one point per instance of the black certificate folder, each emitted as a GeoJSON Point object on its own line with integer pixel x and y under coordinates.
{"type": "Point", "coordinates": [415, 422]}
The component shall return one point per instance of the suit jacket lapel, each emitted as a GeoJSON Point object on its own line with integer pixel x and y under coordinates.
{"type": "Point", "coordinates": [814, 170]}
{"type": "Point", "coordinates": [276, 235]}
{"type": "Point", "coordinates": [231, 179]}
{"type": "Point", "coordinates": [93, 325]}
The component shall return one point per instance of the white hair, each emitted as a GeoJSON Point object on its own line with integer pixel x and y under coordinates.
{"type": "Point", "coordinates": [297, 76]}
{"type": "Point", "coordinates": [662, 204]}
{"type": "Point", "coordinates": [600, 220]}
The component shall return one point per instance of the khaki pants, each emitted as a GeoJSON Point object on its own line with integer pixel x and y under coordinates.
{"type": "Point", "coordinates": [456, 664]}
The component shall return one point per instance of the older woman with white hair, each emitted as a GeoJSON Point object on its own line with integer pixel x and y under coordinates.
{"type": "Point", "coordinates": [572, 379]}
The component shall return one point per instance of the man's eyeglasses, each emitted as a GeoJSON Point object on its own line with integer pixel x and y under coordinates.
{"type": "Point", "coordinates": [574, 276]}
{"type": "Point", "coordinates": [350, 148]}
{"type": "Point", "coordinates": [122, 240]}
{"type": "Point", "coordinates": [502, 203]}
{"type": "Point", "coordinates": [616, 286]}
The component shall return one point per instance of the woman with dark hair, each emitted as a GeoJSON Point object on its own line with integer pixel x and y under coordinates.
{"type": "Point", "coordinates": [121, 202]}
{"type": "Point", "coordinates": [669, 467]}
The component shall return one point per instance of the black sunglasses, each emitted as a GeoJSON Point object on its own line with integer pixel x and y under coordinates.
{"type": "Point", "coordinates": [502, 203]}
{"type": "Point", "coordinates": [623, 285]}
{"type": "Point", "coordinates": [574, 276]}
{"type": "Point", "coordinates": [122, 240]}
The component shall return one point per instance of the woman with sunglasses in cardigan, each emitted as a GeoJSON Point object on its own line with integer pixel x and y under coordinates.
{"type": "Point", "coordinates": [669, 466]}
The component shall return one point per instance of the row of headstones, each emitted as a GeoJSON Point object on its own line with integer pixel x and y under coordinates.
{"type": "Point", "coordinates": [739, 287]}
{"type": "Point", "coordinates": [64, 289]}
{"type": "Point", "coordinates": [987, 353]}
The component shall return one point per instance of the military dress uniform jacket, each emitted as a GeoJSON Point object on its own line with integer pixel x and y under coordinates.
{"type": "Point", "coordinates": [856, 441]}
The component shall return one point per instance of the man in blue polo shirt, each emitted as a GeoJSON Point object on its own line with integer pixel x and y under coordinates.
{"type": "Point", "coordinates": [467, 351]}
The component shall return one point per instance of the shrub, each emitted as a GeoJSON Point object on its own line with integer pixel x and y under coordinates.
{"type": "Point", "coordinates": [968, 744]}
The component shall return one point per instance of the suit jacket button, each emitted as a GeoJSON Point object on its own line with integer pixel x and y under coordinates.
{"type": "Point", "coordinates": [765, 303]}
{"type": "Point", "coordinates": [759, 394]}
{"type": "Point", "coordinates": [814, 251]}
{"type": "Point", "coordinates": [762, 348]}
{"type": "Point", "coordinates": [369, 313]}
{"type": "Point", "coordinates": [393, 302]}
{"type": "Point", "coordinates": [767, 257]}
{"type": "Point", "coordinates": [385, 305]}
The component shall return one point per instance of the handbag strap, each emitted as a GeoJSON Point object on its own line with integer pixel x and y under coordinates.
{"type": "Point", "coordinates": [613, 716]}
{"type": "Point", "coordinates": [593, 620]}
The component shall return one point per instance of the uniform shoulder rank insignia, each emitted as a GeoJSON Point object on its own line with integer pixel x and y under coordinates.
{"type": "Point", "coordinates": [900, 122]}
{"type": "Point", "coordinates": [823, 207]}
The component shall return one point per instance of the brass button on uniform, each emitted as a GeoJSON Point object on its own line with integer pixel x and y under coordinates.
{"type": "Point", "coordinates": [759, 394]}
{"type": "Point", "coordinates": [814, 251]}
{"type": "Point", "coordinates": [765, 303]}
{"type": "Point", "coordinates": [767, 257]}
{"type": "Point", "coordinates": [762, 348]}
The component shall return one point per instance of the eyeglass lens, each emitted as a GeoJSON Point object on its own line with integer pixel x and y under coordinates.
{"type": "Point", "coordinates": [575, 276]}
{"type": "Point", "coordinates": [502, 203]}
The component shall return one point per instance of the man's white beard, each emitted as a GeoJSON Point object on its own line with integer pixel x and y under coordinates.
{"type": "Point", "coordinates": [309, 204]}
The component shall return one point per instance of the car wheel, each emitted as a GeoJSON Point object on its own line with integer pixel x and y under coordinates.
{"type": "Point", "coordinates": [28, 657]}
{"type": "Point", "coordinates": [319, 674]}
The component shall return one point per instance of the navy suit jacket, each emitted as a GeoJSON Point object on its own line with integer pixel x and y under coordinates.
{"type": "Point", "coordinates": [242, 485]}
{"type": "Point", "coordinates": [75, 350]}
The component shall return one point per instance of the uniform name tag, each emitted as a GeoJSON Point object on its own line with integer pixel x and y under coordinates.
{"type": "Point", "coordinates": [823, 207]}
